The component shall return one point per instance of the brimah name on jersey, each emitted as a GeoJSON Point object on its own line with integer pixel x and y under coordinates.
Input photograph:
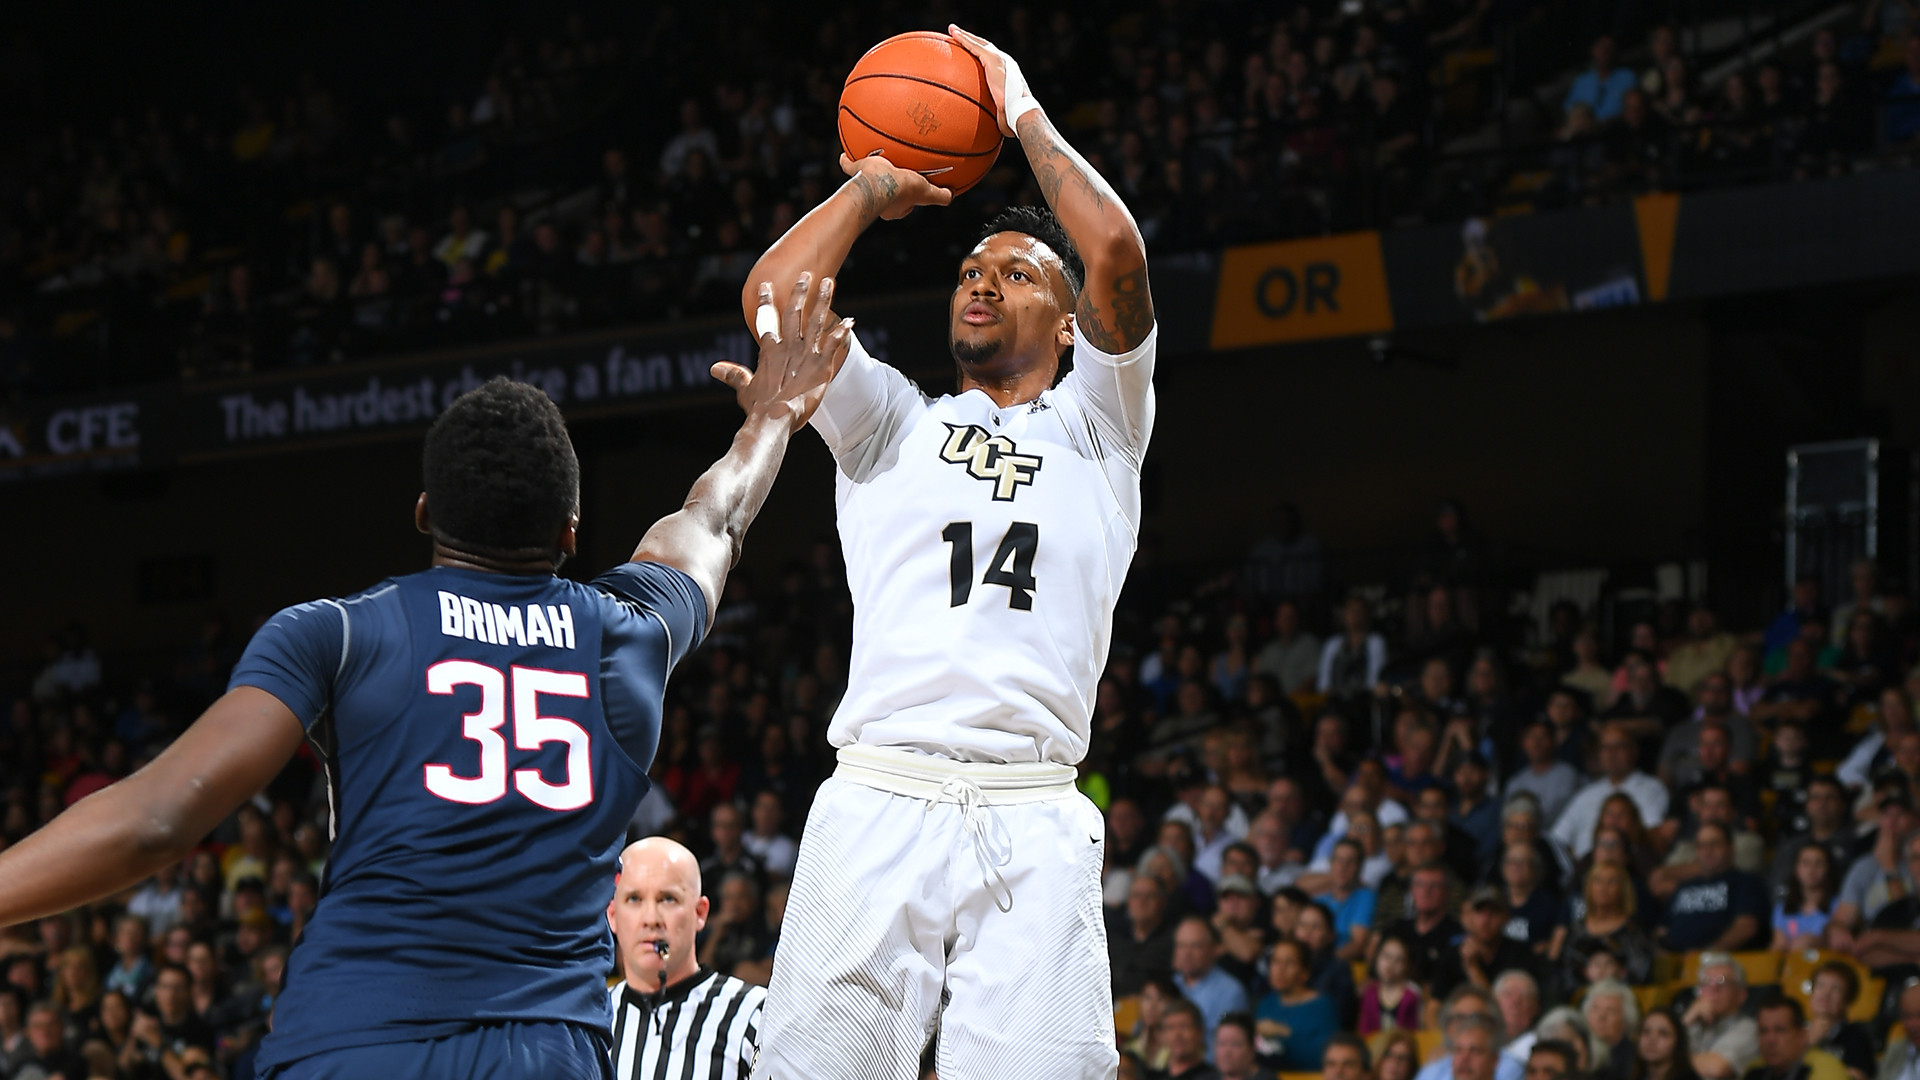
{"type": "Point", "coordinates": [496, 624]}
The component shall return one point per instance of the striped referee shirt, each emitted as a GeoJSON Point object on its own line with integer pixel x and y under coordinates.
{"type": "Point", "coordinates": [705, 1028]}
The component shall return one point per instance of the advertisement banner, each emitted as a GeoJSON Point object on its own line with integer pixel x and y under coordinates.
{"type": "Point", "coordinates": [1487, 269]}
{"type": "Point", "coordinates": [1297, 290]}
{"type": "Point", "coordinates": [587, 376]}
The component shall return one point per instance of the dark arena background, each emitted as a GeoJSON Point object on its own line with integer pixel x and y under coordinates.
{"type": "Point", "coordinates": [1519, 360]}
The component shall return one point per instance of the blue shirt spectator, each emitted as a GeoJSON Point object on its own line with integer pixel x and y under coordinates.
{"type": "Point", "coordinates": [1214, 992]}
{"type": "Point", "coordinates": [1602, 87]}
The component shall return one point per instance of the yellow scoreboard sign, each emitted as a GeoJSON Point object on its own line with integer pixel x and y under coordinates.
{"type": "Point", "coordinates": [1298, 290]}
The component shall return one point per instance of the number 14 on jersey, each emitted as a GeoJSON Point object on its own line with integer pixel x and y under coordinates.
{"type": "Point", "coordinates": [1011, 565]}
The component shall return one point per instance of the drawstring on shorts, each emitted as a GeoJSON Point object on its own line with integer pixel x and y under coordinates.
{"type": "Point", "coordinates": [991, 851]}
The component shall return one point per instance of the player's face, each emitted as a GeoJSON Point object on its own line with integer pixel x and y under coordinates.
{"type": "Point", "coordinates": [1009, 310]}
{"type": "Point", "coordinates": [649, 908]}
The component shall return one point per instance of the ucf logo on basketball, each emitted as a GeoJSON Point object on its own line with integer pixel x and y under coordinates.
{"type": "Point", "coordinates": [989, 457]}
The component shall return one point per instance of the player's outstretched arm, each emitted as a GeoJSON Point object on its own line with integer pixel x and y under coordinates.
{"type": "Point", "coordinates": [797, 358]}
{"type": "Point", "coordinates": [113, 838]}
{"type": "Point", "coordinates": [1116, 309]}
{"type": "Point", "coordinates": [818, 243]}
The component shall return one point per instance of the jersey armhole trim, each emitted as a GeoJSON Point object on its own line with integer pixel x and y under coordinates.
{"type": "Point", "coordinates": [346, 637]}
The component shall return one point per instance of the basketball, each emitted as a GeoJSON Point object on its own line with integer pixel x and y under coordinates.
{"type": "Point", "coordinates": [922, 100]}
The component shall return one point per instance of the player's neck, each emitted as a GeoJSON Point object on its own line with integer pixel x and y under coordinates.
{"type": "Point", "coordinates": [1010, 390]}
{"type": "Point", "coordinates": [446, 555]}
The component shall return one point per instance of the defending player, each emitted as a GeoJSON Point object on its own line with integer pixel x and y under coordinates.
{"type": "Point", "coordinates": [486, 728]}
{"type": "Point", "coordinates": [949, 873]}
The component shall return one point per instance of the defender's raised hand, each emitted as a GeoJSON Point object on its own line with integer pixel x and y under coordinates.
{"type": "Point", "coordinates": [800, 350]}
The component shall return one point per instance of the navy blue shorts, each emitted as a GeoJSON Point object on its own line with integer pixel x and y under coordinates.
{"type": "Point", "coordinates": [507, 1051]}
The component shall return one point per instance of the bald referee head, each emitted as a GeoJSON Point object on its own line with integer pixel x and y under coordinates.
{"type": "Point", "coordinates": [657, 898]}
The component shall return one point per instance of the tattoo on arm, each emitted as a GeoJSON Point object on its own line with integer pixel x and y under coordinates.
{"type": "Point", "coordinates": [1127, 317]}
{"type": "Point", "coordinates": [1053, 163]}
{"type": "Point", "coordinates": [1128, 323]}
{"type": "Point", "coordinates": [875, 192]}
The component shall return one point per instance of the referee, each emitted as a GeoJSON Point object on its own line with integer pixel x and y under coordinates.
{"type": "Point", "coordinates": [672, 1017]}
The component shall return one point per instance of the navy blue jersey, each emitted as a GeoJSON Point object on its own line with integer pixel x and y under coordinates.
{"type": "Point", "coordinates": [486, 738]}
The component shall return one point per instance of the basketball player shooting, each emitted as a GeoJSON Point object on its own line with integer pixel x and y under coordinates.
{"type": "Point", "coordinates": [949, 875]}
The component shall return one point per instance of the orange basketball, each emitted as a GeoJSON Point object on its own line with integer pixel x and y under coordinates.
{"type": "Point", "coordinates": [922, 101]}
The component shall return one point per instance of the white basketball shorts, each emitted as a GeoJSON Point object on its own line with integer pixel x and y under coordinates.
{"type": "Point", "coordinates": [934, 895]}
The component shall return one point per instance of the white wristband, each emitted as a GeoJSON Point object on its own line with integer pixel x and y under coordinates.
{"type": "Point", "coordinates": [1018, 108]}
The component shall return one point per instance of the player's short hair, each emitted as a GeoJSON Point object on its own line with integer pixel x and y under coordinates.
{"type": "Point", "coordinates": [499, 470]}
{"type": "Point", "coordinates": [1039, 223]}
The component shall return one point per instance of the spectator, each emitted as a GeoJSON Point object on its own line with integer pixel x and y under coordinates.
{"type": "Point", "coordinates": [1185, 1039]}
{"type": "Point", "coordinates": [1575, 827]}
{"type": "Point", "coordinates": [1613, 1015]}
{"type": "Point", "coordinates": [1346, 1058]}
{"type": "Point", "coordinates": [1864, 891]}
{"type": "Point", "coordinates": [1233, 1049]}
{"type": "Point", "coordinates": [1237, 923]}
{"type": "Point", "coordinates": [1647, 708]}
{"type": "Point", "coordinates": [1903, 1048]}
{"type": "Point", "coordinates": [1518, 996]}
{"type": "Point", "coordinates": [1784, 1051]}
{"type": "Point", "coordinates": [1538, 918]}
{"type": "Point", "coordinates": [766, 841]}
{"type": "Point", "coordinates": [47, 1052]}
{"type": "Point", "coordinates": [1553, 1060]}
{"type": "Point", "coordinates": [1294, 1020]}
{"type": "Point", "coordinates": [1485, 950]}
{"type": "Point", "coordinates": [1141, 948]}
{"type": "Point", "coordinates": [1705, 652]}
{"type": "Point", "coordinates": [729, 854]}
{"type": "Point", "coordinates": [1662, 1050]}
{"type": "Point", "coordinates": [1827, 825]}
{"type": "Point", "coordinates": [1602, 87]}
{"type": "Point", "coordinates": [1391, 999]}
{"type": "Point", "coordinates": [1330, 976]}
{"type": "Point", "coordinates": [1550, 781]}
{"type": "Point", "coordinates": [1279, 864]}
{"type": "Point", "coordinates": [1473, 1040]}
{"type": "Point", "coordinates": [1800, 918]}
{"type": "Point", "coordinates": [1680, 763]}
{"type": "Point", "coordinates": [1155, 996]}
{"type": "Point", "coordinates": [1835, 987]}
{"type": "Point", "coordinates": [1476, 813]}
{"type": "Point", "coordinates": [1351, 661]}
{"type": "Point", "coordinates": [1429, 932]}
{"type": "Point", "coordinates": [1711, 802]}
{"type": "Point", "coordinates": [1720, 907]}
{"type": "Point", "coordinates": [132, 970]}
{"type": "Point", "coordinates": [736, 932]}
{"type": "Point", "coordinates": [1399, 1057]}
{"type": "Point", "coordinates": [1196, 948]}
{"type": "Point", "coordinates": [1607, 924]}
{"type": "Point", "coordinates": [1349, 899]}
{"type": "Point", "coordinates": [1292, 655]}
{"type": "Point", "coordinates": [1723, 1040]}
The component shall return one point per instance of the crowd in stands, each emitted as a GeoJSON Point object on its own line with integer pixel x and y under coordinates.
{"type": "Point", "coordinates": [601, 176]}
{"type": "Point", "coordinates": [1386, 829]}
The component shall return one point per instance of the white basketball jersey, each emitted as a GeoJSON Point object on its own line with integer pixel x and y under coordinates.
{"type": "Point", "coordinates": [985, 550]}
